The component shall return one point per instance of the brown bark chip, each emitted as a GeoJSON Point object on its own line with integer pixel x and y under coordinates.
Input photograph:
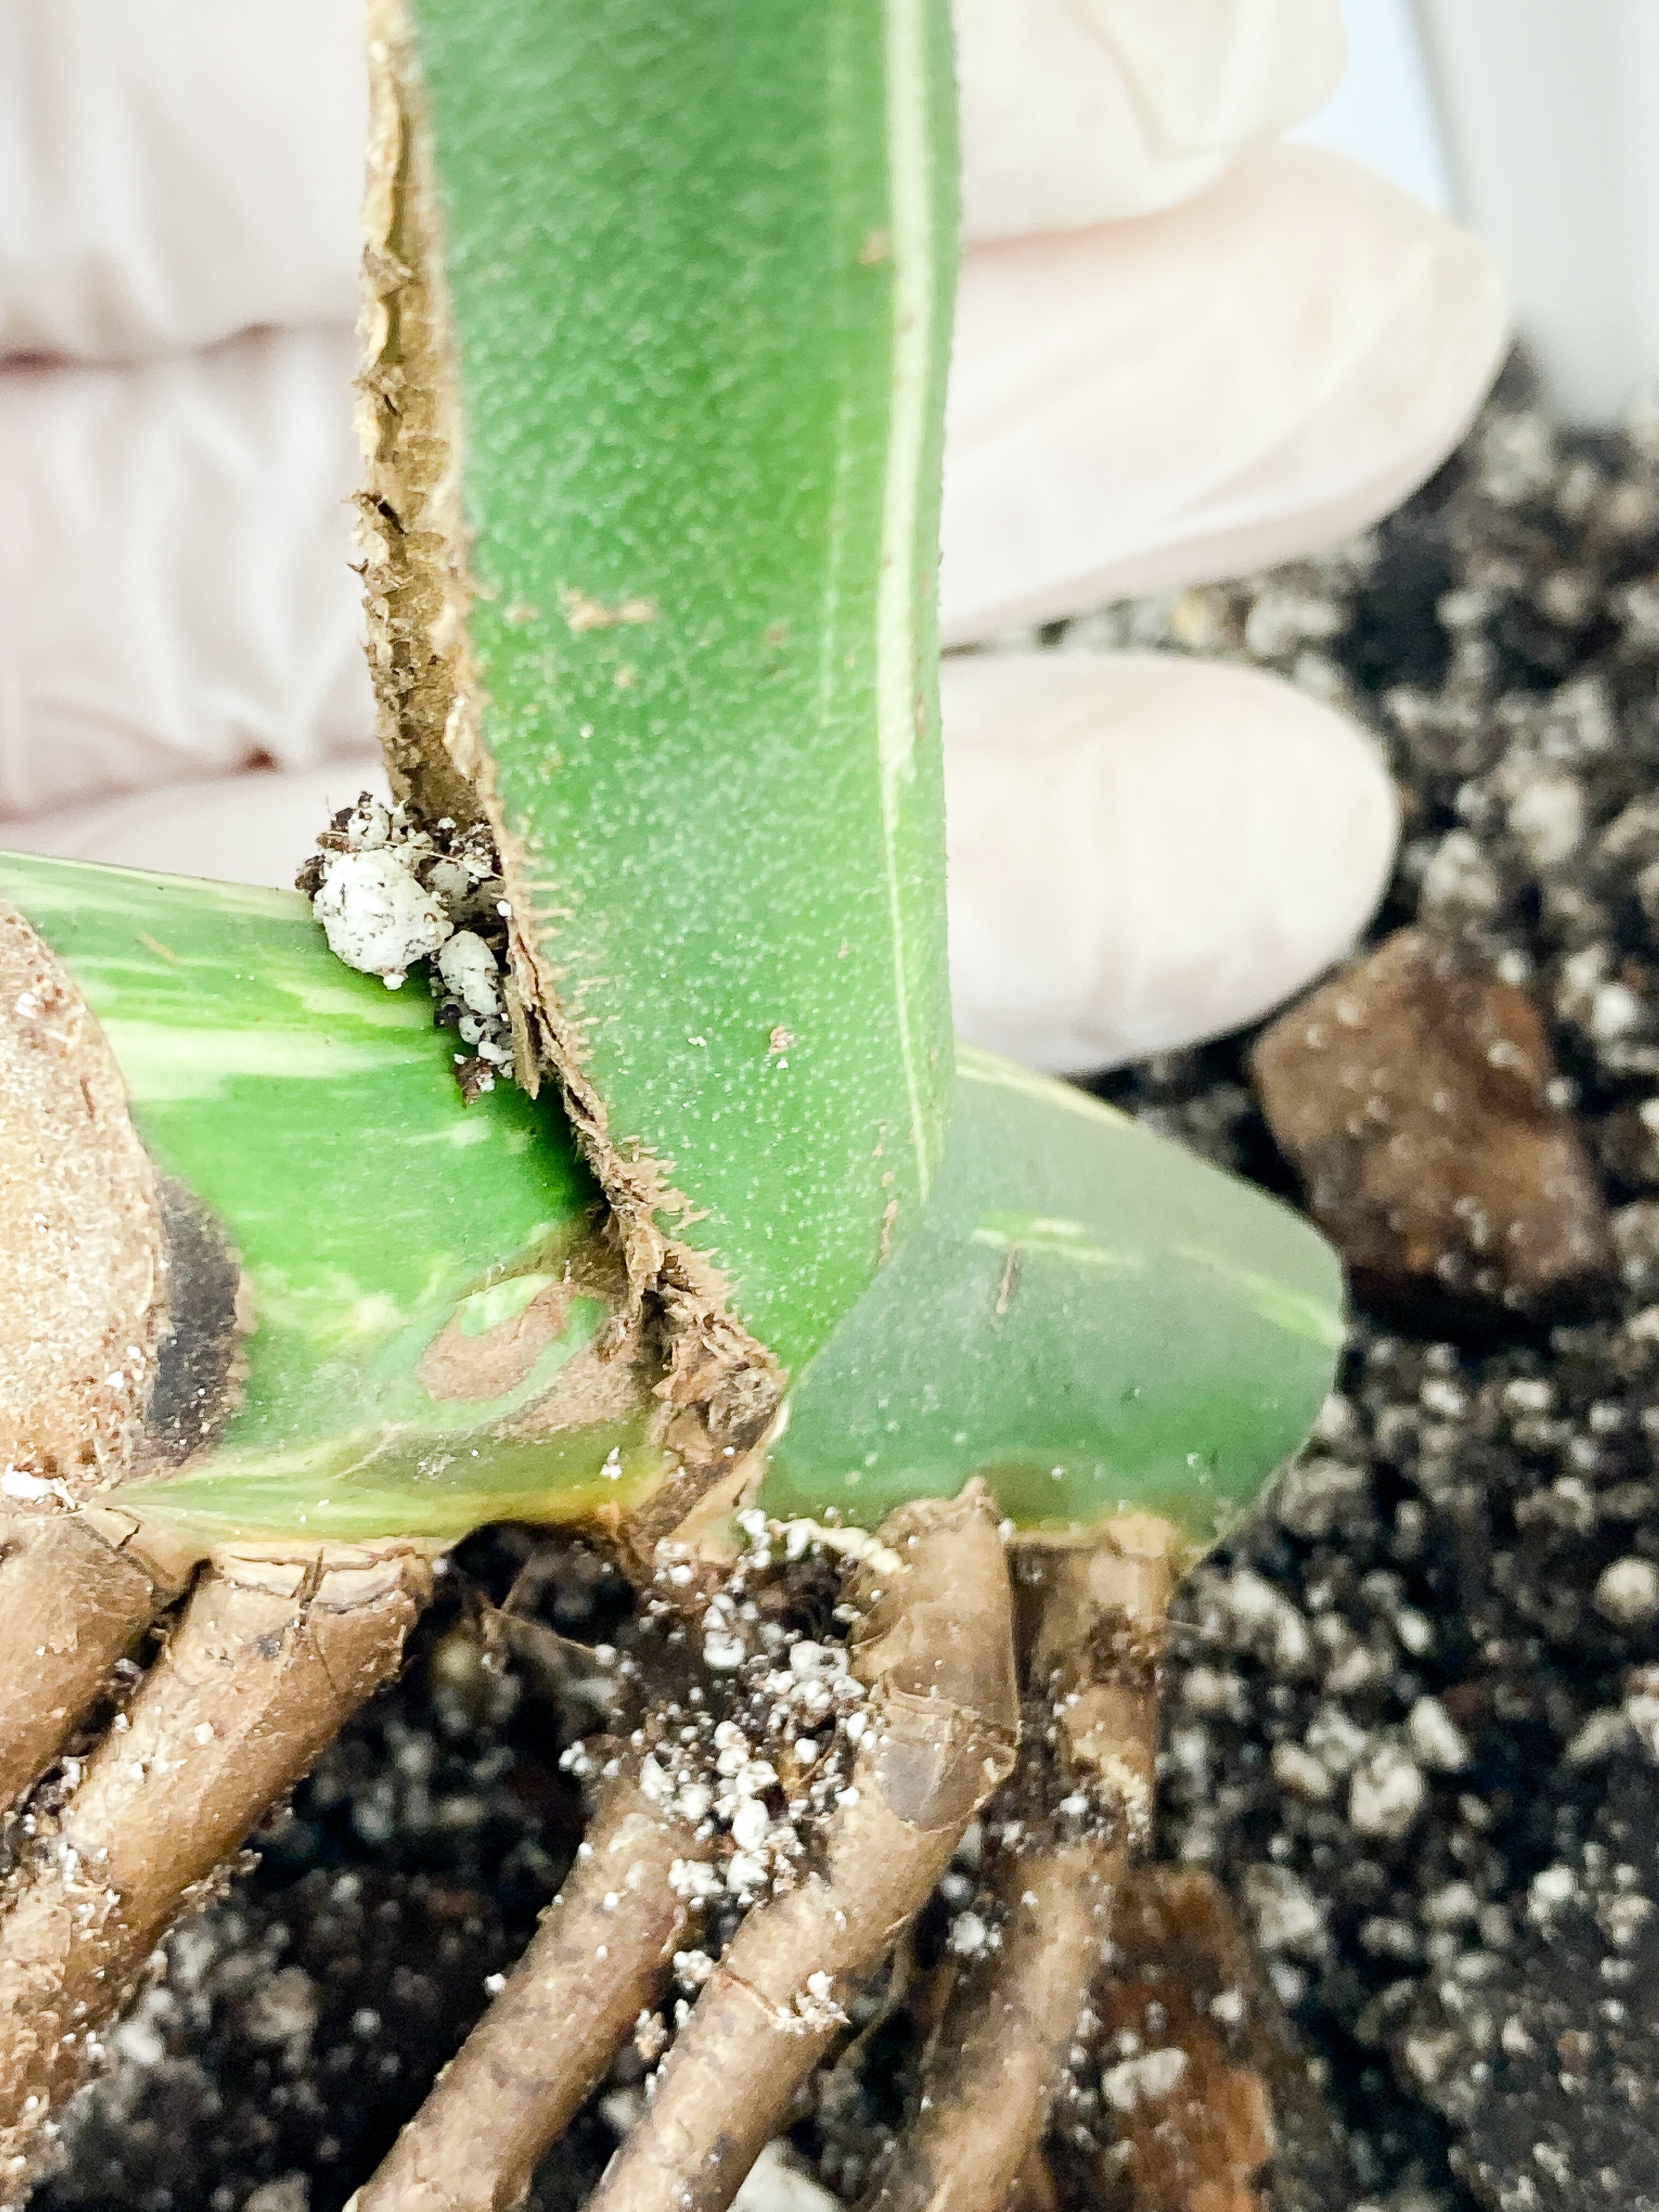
{"type": "Point", "coordinates": [1413, 1094]}
{"type": "Point", "coordinates": [936, 1648]}
{"type": "Point", "coordinates": [1204, 2089]}
{"type": "Point", "coordinates": [83, 1250]}
{"type": "Point", "coordinates": [268, 1662]}
{"type": "Point", "coordinates": [599, 1958]}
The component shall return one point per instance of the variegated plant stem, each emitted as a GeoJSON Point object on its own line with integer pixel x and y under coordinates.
{"type": "Point", "coordinates": [421, 1323]}
{"type": "Point", "coordinates": [659, 306]}
{"type": "Point", "coordinates": [427, 1323]}
{"type": "Point", "coordinates": [1089, 1318]}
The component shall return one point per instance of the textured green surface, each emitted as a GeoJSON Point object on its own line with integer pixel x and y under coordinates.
{"type": "Point", "coordinates": [700, 259]}
{"type": "Point", "coordinates": [1088, 1316]}
{"type": "Point", "coordinates": [316, 1113]}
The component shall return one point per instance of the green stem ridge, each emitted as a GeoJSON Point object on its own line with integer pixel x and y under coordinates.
{"type": "Point", "coordinates": [906, 643]}
{"type": "Point", "coordinates": [659, 313]}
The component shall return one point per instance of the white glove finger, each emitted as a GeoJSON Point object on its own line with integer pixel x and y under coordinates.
{"type": "Point", "coordinates": [1197, 393]}
{"type": "Point", "coordinates": [175, 597]}
{"type": "Point", "coordinates": [1146, 850]}
{"type": "Point", "coordinates": [1081, 112]}
{"type": "Point", "coordinates": [172, 172]}
{"type": "Point", "coordinates": [173, 588]}
{"type": "Point", "coordinates": [250, 829]}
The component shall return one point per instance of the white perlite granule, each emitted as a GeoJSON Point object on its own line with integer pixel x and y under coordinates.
{"type": "Point", "coordinates": [1284, 1912]}
{"type": "Point", "coordinates": [376, 915]}
{"type": "Point", "coordinates": [775, 2183]}
{"type": "Point", "coordinates": [1387, 1793]}
{"type": "Point", "coordinates": [1297, 1770]}
{"type": "Point", "coordinates": [389, 892]}
{"type": "Point", "coordinates": [468, 968]}
{"type": "Point", "coordinates": [1140, 2081]}
{"type": "Point", "coordinates": [1436, 1738]}
{"type": "Point", "coordinates": [1628, 1593]}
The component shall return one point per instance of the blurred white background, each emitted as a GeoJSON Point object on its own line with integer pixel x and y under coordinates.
{"type": "Point", "coordinates": [1533, 121]}
{"type": "Point", "coordinates": [1382, 113]}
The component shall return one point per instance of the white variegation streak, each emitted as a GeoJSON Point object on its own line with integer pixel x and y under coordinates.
{"type": "Point", "coordinates": [911, 154]}
{"type": "Point", "coordinates": [975, 1065]}
{"type": "Point", "coordinates": [1287, 1308]}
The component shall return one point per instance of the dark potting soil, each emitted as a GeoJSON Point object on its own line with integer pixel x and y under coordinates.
{"type": "Point", "coordinates": [1412, 1720]}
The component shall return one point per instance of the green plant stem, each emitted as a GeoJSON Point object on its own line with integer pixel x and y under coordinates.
{"type": "Point", "coordinates": [1089, 1317]}
{"type": "Point", "coordinates": [659, 305]}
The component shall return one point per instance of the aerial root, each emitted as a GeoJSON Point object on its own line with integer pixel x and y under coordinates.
{"type": "Point", "coordinates": [1003, 2043]}
{"type": "Point", "coordinates": [268, 1661]}
{"type": "Point", "coordinates": [1001, 2051]}
{"type": "Point", "coordinates": [600, 1958]}
{"type": "Point", "coordinates": [71, 1604]}
{"type": "Point", "coordinates": [935, 1648]}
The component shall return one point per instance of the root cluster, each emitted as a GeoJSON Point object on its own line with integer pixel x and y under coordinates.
{"type": "Point", "coordinates": [855, 1831]}
{"type": "Point", "coordinates": [264, 1665]}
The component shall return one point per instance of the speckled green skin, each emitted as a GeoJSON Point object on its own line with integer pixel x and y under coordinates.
{"type": "Point", "coordinates": [1089, 1317]}
{"type": "Point", "coordinates": [316, 1113]}
{"type": "Point", "coordinates": [699, 259]}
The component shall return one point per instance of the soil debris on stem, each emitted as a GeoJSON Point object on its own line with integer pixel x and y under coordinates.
{"type": "Point", "coordinates": [392, 893]}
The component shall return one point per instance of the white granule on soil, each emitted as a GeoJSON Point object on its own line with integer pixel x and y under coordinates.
{"type": "Point", "coordinates": [1436, 1738]}
{"type": "Point", "coordinates": [775, 2183]}
{"type": "Point", "coordinates": [1284, 1912]}
{"type": "Point", "coordinates": [1387, 1793]}
{"type": "Point", "coordinates": [1555, 1887]}
{"type": "Point", "coordinates": [1142, 2081]}
{"type": "Point", "coordinates": [1297, 1770]}
{"type": "Point", "coordinates": [1628, 1593]}
{"type": "Point", "coordinates": [971, 1937]}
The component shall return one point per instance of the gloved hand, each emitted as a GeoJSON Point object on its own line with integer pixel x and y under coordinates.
{"type": "Point", "coordinates": [1182, 349]}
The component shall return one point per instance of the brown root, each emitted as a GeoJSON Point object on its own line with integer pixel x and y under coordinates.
{"type": "Point", "coordinates": [1002, 2042]}
{"type": "Point", "coordinates": [1026, 2095]}
{"type": "Point", "coordinates": [266, 1664]}
{"type": "Point", "coordinates": [936, 1648]}
{"type": "Point", "coordinates": [1034, 2188]}
{"type": "Point", "coordinates": [1001, 2050]}
{"type": "Point", "coordinates": [599, 1958]}
{"type": "Point", "coordinates": [71, 1604]}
